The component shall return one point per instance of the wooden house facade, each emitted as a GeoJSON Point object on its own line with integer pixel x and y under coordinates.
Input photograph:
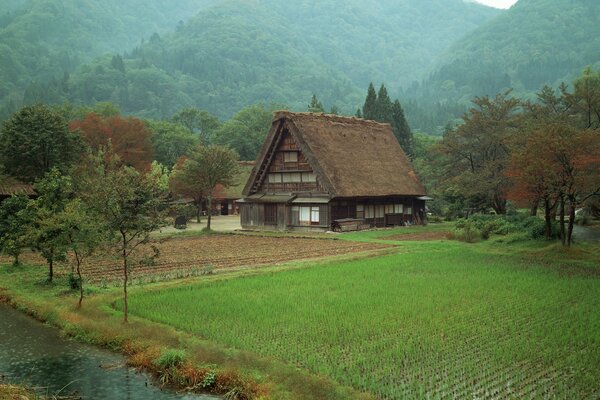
{"type": "Point", "coordinates": [315, 170]}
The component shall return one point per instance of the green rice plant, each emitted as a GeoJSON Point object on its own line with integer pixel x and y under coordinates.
{"type": "Point", "coordinates": [442, 320]}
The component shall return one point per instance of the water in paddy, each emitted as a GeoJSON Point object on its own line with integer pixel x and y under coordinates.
{"type": "Point", "coordinates": [37, 355]}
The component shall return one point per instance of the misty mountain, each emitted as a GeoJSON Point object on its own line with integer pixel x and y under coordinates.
{"type": "Point", "coordinates": [233, 53]}
{"type": "Point", "coordinates": [536, 42]}
{"type": "Point", "coordinates": [41, 40]}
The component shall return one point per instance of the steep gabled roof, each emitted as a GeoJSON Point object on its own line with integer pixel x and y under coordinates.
{"type": "Point", "coordinates": [352, 157]}
{"type": "Point", "coordinates": [10, 186]}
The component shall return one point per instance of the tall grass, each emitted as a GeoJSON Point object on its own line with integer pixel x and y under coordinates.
{"type": "Point", "coordinates": [441, 320]}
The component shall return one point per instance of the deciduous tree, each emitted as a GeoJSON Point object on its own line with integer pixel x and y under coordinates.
{"type": "Point", "coordinates": [128, 137]}
{"type": "Point", "coordinates": [131, 205]}
{"type": "Point", "coordinates": [36, 139]}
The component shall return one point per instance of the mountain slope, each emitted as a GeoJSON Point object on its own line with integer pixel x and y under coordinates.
{"type": "Point", "coordinates": [243, 51]}
{"type": "Point", "coordinates": [42, 40]}
{"type": "Point", "coordinates": [536, 42]}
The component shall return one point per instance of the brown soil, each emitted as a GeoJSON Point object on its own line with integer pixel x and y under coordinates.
{"type": "Point", "coordinates": [181, 257]}
{"type": "Point", "coordinates": [417, 236]}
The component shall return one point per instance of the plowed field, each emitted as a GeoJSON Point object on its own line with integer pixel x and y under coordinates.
{"type": "Point", "coordinates": [188, 256]}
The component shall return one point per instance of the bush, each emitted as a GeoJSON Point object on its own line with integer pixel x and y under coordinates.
{"type": "Point", "coordinates": [74, 282]}
{"type": "Point", "coordinates": [487, 225]}
{"type": "Point", "coordinates": [467, 233]}
{"type": "Point", "coordinates": [170, 358]}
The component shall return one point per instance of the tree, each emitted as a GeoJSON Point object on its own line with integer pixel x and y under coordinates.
{"type": "Point", "coordinates": [130, 205]}
{"type": "Point", "coordinates": [383, 106]}
{"type": "Point", "coordinates": [401, 128]}
{"type": "Point", "coordinates": [15, 218]}
{"type": "Point", "coordinates": [475, 154]}
{"type": "Point", "coordinates": [199, 122]}
{"type": "Point", "coordinates": [315, 105]}
{"type": "Point", "coordinates": [214, 166]}
{"type": "Point", "coordinates": [369, 110]}
{"type": "Point", "coordinates": [184, 182]}
{"type": "Point", "coordinates": [246, 131]}
{"type": "Point", "coordinates": [83, 234]}
{"type": "Point", "coordinates": [170, 141]}
{"type": "Point", "coordinates": [128, 137]}
{"type": "Point", "coordinates": [36, 139]}
{"type": "Point", "coordinates": [47, 233]}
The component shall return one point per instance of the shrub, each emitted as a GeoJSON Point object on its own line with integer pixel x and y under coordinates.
{"type": "Point", "coordinates": [170, 358]}
{"type": "Point", "coordinates": [74, 282]}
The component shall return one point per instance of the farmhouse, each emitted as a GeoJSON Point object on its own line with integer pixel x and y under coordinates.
{"type": "Point", "coordinates": [318, 171]}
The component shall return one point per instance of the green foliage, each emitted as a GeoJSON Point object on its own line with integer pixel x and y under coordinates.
{"type": "Point", "coordinates": [315, 105]}
{"type": "Point", "coordinates": [199, 122]}
{"type": "Point", "coordinates": [15, 218]}
{"type": "Point", "coordinates": [170, 141]}
{"type": "Point", "coordinates": [246, 131]}
{"type": "Point", "coordinates": [486, 225]}
{"type": "Point", "coordinates": [535, 43]}
{"type": "Point", "coordinates": [379, 107]}
{"type": "Point", "coordinates": [229, 55]}
{"type": "Point", "coordinates": [170, 358]}
{"type": "Point", "coordinates": [36, 139]}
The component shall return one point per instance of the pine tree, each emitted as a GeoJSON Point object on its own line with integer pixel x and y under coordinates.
{"type": "Point", "coordinates": [401, 128]}
{"type": "Point", "coordinates": [358, 113]}
{"type": "Point", "coordinates": [315, 105]}
{"type": "Point", "coordinates": [383, 106]}
{"type": "Point", "coordinates": [369, 110]}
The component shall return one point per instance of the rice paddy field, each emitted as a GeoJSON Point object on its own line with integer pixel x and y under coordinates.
{"type": "Point", "coordinates": [437, 319]}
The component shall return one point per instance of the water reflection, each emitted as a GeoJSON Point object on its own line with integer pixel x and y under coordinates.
{"type": "Point", "coordinates": [36, 354]}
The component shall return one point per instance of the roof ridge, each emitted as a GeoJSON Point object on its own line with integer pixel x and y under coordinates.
{"type": "Point", "coordinates": [278, 114]}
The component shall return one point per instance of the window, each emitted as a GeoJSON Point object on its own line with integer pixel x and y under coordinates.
{"type": "Point", "coordinates": [407, 210]}
{"type": "Point", "coordinates": [360, 211]}
{"type": "Point", "coordinates": [309, 215]}
{"type": "Point", "coordinates": [379, 211]}
{"type": "Point", "coordinates": [290, 156]}
{"type": "Point", "coordinates": [389, 208]}
{"type": "Point", "coordinates": [304, 215]}
{"type": "Point", "coordinates": [291, 177]}
{"type": "Point", "coordinates": [369, 211]}
{"type": "Point", "coordinates": [398, 208]}
{"type": "Point", "coordinates": [274, 178]}
{"type": "Point", "coordinates": [314, 215]}
{"type": "Point", "coordinates": [308, 177]}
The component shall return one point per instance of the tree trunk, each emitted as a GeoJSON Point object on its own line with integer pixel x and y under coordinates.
{"type": "Point", "coordinates": [499, 205]}
{"type": "Point", "coordinates": [50, 269]}
{"type": "Point", "coordinates": [563, 237]}
{"type": "Point", "coordinates": [80, 280]}
{"type": "Point", "coordinates": [534, 208]}
{"type": "Point", "coordinates": [548, 218]}
{"type": "Point", "coordinates": [571, 222]}
{"type": "Point", "coordinates": [209, 198]}
{"type": "Point", "coordinates": [125, 278]}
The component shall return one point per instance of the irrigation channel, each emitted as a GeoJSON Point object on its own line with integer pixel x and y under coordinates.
{"type": "Point", "coordinates": [36, 355]}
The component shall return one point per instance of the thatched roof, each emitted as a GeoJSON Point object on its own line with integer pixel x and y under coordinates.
{"type": "Point", "coordinates": [10, 186]}
{"type": "Point", "coordinates": [352, 157]}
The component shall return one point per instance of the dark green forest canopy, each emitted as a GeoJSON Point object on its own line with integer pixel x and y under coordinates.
{"type": "Point", "coordinates": [534, 43]}
{"type": "Point", "coordinates": [228, 56]}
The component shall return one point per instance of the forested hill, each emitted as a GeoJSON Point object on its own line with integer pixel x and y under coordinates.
{"type": "Point", "coordinates": [237, 52]}
{"type": "Point", "coordinates": [41, 40]}
{"type": "Point", "coordinates": [534, 43]}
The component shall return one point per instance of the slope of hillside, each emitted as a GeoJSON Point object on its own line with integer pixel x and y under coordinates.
{"type": "Point", "coordinates": [536, 42]}
{"type": "Point", "coordinates": [239, 52]}
{"type": "Point", "coordinates": [42, 40]}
